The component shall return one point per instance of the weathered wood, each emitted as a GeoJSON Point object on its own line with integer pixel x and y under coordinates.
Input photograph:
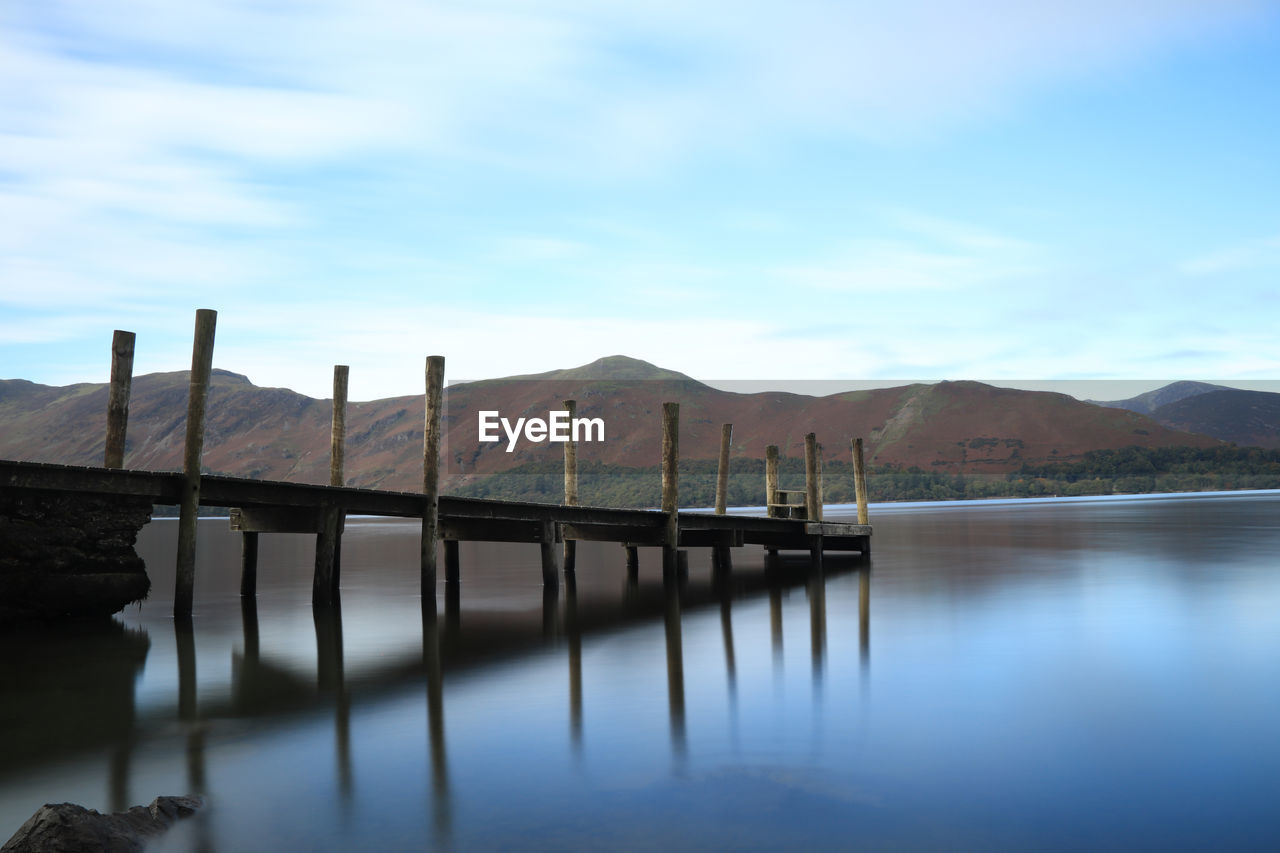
{"type": "Point", "coordinates": [822, 497]}
{"type": "Point", "coordinates": [656, 535]}
{"type": "Point", "coordinates": [489, 530]}
{"type": "Point", "coordinates": [633, 560]}
{"type": "Point", "coordinates": [571, 459]}
{"type": "Point", "coordinates": [671, 482]}
{"type": "Point", "coordinates": [452, 562]}
{"type": "Point", "coordinates": [193, 450]}
{"type": "Point", "coordinates": [249, 564]}
{"type": "Point", "coordinates": [770, 476]}
{"type": "Point", "coordinates": [721, 559]}
{"type": "Point", "coordinates": [815, 551]}
{"type": "Point", "coordinates": [325, 580]}
{"type": "Point", "coordinates": [860, 482]}
{"type": "Point", "coordinates": [329, 539]}
{"type": "Point", "coordinates": [813, 493]}
{"type": "Point", "coordinates": [118, 398]}
{"type": "Point", "coordinates": [570, 485]}
{"type": "Point", "coordinates": [550, 555]}
{"type": "Point", "coordinates": [722, 471]}
{"type": "Point", "coordinates": [338, 431]}
{"type": "Point", "coordinates": [288, 519]}
{"type": "Point", "coordinates": [431, 471]}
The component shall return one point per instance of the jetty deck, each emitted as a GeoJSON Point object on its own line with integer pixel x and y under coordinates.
{"type": "Point", "coordinates": [259, 506]}
{"type": "Point", "coordinates": [273, 506]}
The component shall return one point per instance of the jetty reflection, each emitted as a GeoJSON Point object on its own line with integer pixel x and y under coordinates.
{"type": "Point", "coordinates": [267, 687]}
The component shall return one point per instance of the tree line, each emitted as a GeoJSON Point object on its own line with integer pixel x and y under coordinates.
{"type": "Point", "coordinates": [1129, 470]}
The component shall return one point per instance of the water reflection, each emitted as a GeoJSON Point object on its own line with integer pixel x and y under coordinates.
{"type": "Point", "coordinates": [331, 682]}
{"type": "Point", "coordinates": [266, 683]}
{"type": "Point", "coordinates": [864, 618]}
{"type": "Point", "coordinates": [675, 665]}
{"type": "Point", "coordinates": [433, 670]}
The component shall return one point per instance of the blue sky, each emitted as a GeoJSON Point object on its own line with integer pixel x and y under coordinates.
{"type": "Point", "coordinates": [805, 190]}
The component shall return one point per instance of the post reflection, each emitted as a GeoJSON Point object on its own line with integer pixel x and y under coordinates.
{"type": "Point", "coordinates": [726, 631]}
{"type": "Point", "coordinates": [775, 624]}
{"type": "Point", "coordinates": [864, 617]}
{"type": "Point", "coordinates": [331, 681]}
{"type": "Point", "coordinates": [188, 714]}
{"type": "Point", "coordinates": [434, 672]}
{"type": "Point", "coordinates": [185, 642]}
{"type": "Point", "coordinates": [573, 630]}
{"type": "Point", "coordinates": [816, 590]}
{"type": "Point", "coordinates": [675, 666]}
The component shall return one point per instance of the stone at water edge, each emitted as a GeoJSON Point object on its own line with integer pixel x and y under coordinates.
{"type": "Point", "coordinates": [69, 828]}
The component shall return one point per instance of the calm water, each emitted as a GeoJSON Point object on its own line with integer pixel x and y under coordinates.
{"type": "Point", "coordinates": [1039, 675]}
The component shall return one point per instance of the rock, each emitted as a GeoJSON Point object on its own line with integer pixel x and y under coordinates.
{"type": "Point", "coordinates": [69, 555]}
{"type": "Point", "coordinates": [69, 828]}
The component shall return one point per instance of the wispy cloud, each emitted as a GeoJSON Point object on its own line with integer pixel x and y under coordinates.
{"type": "Point", "coordinates": [1249, 255]}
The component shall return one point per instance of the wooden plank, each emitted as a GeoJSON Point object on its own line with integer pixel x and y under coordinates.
{"type": "Point", "coordinates": [656, 535]}
{"type": "Point", "coordinates": [277, 519]}
{"type": "Point", "coordinates": [711, 538]}
{"type": "Point", "coordinates": [482, 530]}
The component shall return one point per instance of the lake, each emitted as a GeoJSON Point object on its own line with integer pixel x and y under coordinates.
{"type": "Point", "coordinates": [1097, 673]}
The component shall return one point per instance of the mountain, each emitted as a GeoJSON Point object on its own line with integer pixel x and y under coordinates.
{"type": "Point", "coordinates": [1145, 404]}
{"type": "Point", "coordinates": [275, 433]}
{"type": "Point", "coordinates": [1248, 418]}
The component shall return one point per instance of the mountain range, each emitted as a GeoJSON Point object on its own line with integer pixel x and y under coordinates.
{"type": "Point", "coordinates": [953, 427]}
{"type": "Point", "coordinates": [1247, 418]}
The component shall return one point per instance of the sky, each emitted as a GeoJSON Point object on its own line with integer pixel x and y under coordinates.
{"type": "Point", "coordinates": [918, 190]}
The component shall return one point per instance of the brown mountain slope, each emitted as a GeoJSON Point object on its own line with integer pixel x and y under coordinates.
{"type": "Point", "coordinates": [274, 433]}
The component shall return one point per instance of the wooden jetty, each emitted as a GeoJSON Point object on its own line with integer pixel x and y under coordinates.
{"type": "Point", "coordinates": [260, 506]}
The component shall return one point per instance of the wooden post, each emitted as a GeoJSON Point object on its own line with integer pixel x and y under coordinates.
{"type": "Point", "coordinates": [249, 564]}
{"type": "Point", "coordinates": [570, 485]}
{"type": "Point", "coordinates": [327, 577]}
{"type": "Point", "coordinates": [860, 482]}
{"type": "Point", "coordinates": [324, 580]}
{"type": "Point", "coordinates": [431, 472]}
{"type": "Point", "coordinates": [813, 491]}
{"type": "Point", "coordinates": [338, 432]}
{"type": "Point", "coordinates": [550, 559]}
{"type": "Point", "coordinates": [671, 483]}
{"type": "Point", "coordinates": [197, 398]}
{"type": "Point", "coordinates": [118, 398]}
{"type": "Point", "coordinates": [722, 473]}
{"type": "Point", "coordinates": [452, 563]}
{"type": "Point", "coordinates": [770, 477]}
{"type": "Point", "coordinates": [633, 561]}
{"type": "Point", "coordinates": [822, 495]}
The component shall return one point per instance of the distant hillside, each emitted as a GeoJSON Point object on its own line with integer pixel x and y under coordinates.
{"type": "Point", "coordinates": [1249, 418]}
{"type": "Point", "coordinates": [1145, 404]}
{"type": "Point", "coordinates": [966, 428]}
